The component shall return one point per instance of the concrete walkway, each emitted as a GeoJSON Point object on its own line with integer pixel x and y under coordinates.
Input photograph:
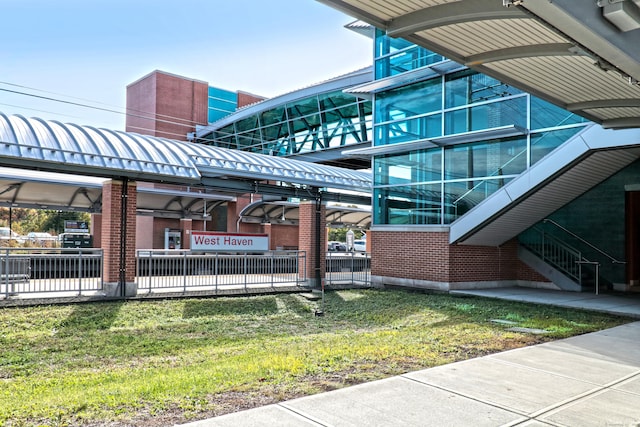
{"type": "Point", "coordinates": [588, 380]}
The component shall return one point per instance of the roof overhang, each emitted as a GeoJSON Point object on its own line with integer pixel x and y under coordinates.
{"type": "Point", "coordinates": [572, 53]}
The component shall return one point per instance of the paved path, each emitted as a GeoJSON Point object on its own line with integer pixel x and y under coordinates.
{"type": "Point", "coordinates": [588, 380]}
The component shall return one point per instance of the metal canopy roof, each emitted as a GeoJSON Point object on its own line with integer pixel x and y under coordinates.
{"type": "Point", "coordinates": [280, 212]}
{"type": "Point", "coordinates": [569, 52]}
{"type": "Point", "coordinates": [51, 146]}
{"type": "Point", "coordinates": [44, 190]}
{"type": "Point", "coordinates": [221, 162]}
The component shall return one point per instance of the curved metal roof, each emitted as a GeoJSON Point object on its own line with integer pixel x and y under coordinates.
{"type": "Point", "coordinates": [85, 150]}
{"type": "Point", "coordinates": [279, 212]}
{"type": "Point", "coordinates": [222, 162]}
{"type": "Point", "coordinates": [573, 53]}
{"type": "Point", "coordinates": [56, 147]}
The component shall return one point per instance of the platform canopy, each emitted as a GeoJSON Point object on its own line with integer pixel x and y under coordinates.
{"type": "Point", "coordinates": [281, 212]}
{"type": "Point", "coordinates": [52, 146]}
{"type": "Point", "coordinates": [583, 56]}
{"type": "Point", "coordinates": [52, 165]}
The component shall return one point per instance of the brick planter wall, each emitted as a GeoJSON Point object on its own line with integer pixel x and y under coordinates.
{"type": "Point", "coordinates": [427, 259]}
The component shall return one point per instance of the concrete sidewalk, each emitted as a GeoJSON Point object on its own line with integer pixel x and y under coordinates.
{"type": "Point", "coordinates": [588, 380]}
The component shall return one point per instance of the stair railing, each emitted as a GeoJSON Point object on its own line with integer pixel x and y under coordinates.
{"type": "Point", "coordinates": [600, 251]}
{"type": "Point", "coordinates": [556, 252]}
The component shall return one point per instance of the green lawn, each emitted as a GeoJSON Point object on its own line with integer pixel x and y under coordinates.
{"type": "Point", "coordinates": [148, 363]}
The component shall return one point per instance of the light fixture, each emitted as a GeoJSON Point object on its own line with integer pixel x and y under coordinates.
{"type": "Point", "coordinates": [624, 14]}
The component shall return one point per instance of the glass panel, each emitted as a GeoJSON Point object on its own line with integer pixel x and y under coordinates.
{"type": "Point", "coordinates": [409, 130]}
{"type": "Point", "coordinates": [405, 168]}
{"type": "Point", "coordinates": [221, 94]}
{"type": "Point", "coordinates": [409, 101]}
{"type": "Point", "coordinates": [544, 143]}
{"type": "Point", "coordinates": [306, 123]}
{"type": "Point", "coordinates": [276, 115]}
{"type": "Point", "coordinates": [385, 45]}
{"type": "Point", "coordinates": [303, 108]}
{"type": "Point", "coordinates": [487, 116]}
{"type": "Point", "coordinates": [250, 139]}
{"type": "Point", "coordinates": [336, 99]}
{"type": "Point", "coordinates": [460, 197]}
{"type": "Point", "coordinates": [225, 137]}
{"type": "Point", "coordinates": [545, 115]}
{"type": "Point", "coordinates": [249, 123]}
{"type": "Point", "coordinates": [494, 158]}
{"type": "Point", "coordinates": [417, 204]}
{"type": "Point", "coordinates": [406, 60]}
{"type": "Point", "coordinates": [469, 87]}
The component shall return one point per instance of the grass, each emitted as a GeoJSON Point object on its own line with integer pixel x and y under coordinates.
{"type": "Point", "coordinates": [151, 363]}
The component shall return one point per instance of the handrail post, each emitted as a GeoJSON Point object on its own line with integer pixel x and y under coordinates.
{"type": "Point", "coordinates": [245, 270]}
{"type": "Point", "coordinates": [80, 273]}
{"type": "Point", "coordinates": [184, 272]}
{"type": "Point", "coordinates": [6, 273]}
{"type": "Point", "coordinates": [271, 259]}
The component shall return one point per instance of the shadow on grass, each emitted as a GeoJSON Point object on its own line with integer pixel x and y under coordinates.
{"type": "Point", "coordinates": [230, 307]}
{"type": "Point", "coordinates": [85, 317]}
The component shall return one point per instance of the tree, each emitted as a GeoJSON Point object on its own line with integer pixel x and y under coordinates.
{"type": "Point", "coordinates": [24, 220]}
{"type": "Point", "coordinates": [340, 234]}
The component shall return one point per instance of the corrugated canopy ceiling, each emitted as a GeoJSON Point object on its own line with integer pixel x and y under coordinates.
{"type": "Point", "coordinates": [583, 56]}
{"type": "Point", "coordinates": [52, 146]}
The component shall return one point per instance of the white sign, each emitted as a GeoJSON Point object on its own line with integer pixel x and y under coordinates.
{"type": "Point", "coordinates": [231, 242]}
{"type": "Point", "coordinates": [76, 227]}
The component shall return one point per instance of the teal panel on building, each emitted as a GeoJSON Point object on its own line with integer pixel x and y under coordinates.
{"type": "Point", "coordinates": [221, 103]}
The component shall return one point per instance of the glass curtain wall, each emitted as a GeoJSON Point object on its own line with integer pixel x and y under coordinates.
{"type": "Point", "coordinates": [438, 185]}
{"type": "Point", "coordinates": [321, 121]}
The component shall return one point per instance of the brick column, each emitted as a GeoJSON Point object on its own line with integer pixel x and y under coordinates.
{"type": "Point", "coordinates": [112, 199]}
{"type": "Point", "coordinates": [186, 225]}
{"type": "Point", "coordinates": [307, 241]}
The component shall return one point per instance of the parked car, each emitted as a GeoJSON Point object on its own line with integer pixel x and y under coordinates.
{"type": "Point", "coordinates": [360, 245]}
{"type": "Point", "coordinates": [336, 247]}
{"type": "Point", "coordinates": [40, 238]}
{"type": "Point", "coordinates": [7, 234]}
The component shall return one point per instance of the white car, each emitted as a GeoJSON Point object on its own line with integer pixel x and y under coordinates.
{"type": "Point", "coordinates": [360, 245]}
{"type": "Point", "coordinates": [7, 234]}
{"type": "Point", "coordinates": [37, 237]}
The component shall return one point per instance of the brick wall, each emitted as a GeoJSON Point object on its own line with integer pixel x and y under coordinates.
{"type": "Point", "coordinates": [282, 236]}
{"type": "Point", "coordinates": [410, 255]}
{"type": "Point", "coordinates": [428, 256]}
{"type": "Point", "coordinates": [307, 239]}
{"type": "Point", "coordinates": [175, 105]}
{"type": "Point", "coordinates": [112, 231]}
{"type": "Point", "coordinates": [245, 99]}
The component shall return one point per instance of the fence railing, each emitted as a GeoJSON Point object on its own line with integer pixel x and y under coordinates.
{"type": "Point", "coordinates": [183, 270]}
{"type": "Point", "coordinates": [48, 271]}
{"type": "Point", "coordinates": [59, 273]}
{"type": "Point", "coordinates": [348, 268]}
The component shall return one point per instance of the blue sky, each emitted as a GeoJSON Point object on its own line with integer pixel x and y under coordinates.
{"type": "Point", "coordinates": [88, 51]}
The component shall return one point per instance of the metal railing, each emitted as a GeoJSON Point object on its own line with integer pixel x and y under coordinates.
{"type": "Point", "coordinates": [581, 240]}
{"type": "Point", "coordinates": [47, 271]}
{"type": "Point", "coordinates": [348, 268]}
{"type": "Point", "coordinates": [554, 251]}
{"type": "Point", "coordinates": [183, 270]}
